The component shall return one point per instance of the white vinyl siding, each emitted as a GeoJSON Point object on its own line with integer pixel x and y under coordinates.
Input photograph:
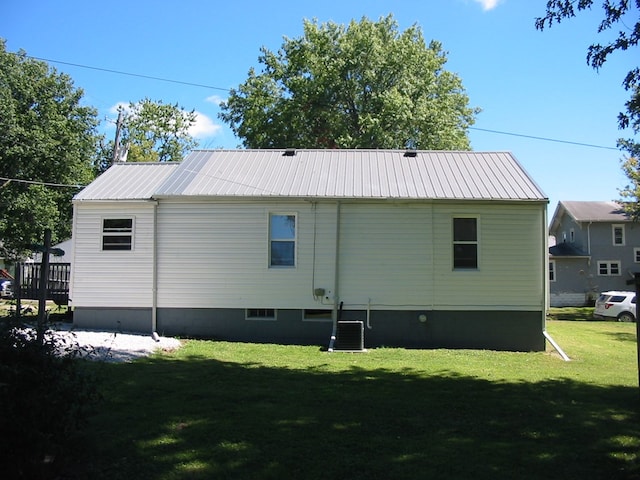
{"type": "Point", "coordinates": [385, 255]}
{"type": "Point", "coordinates": [112, 278]}
{"type": "Point", "coordinates": [393, 256]}
{"type": "Point", "coordinates": [512, 271]}
{"type": "Point", "coordinates": [216, 255]}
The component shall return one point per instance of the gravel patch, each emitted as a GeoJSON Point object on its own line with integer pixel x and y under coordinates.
{"type": "Point", "coordinates": [114, 346]}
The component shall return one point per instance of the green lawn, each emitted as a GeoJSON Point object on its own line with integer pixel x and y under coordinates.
{"type": "Point", "coordinates": [250, 411]}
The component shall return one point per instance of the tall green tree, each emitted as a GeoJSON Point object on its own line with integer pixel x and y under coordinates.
{"type": "Point", "coordinates": [365, 85]}
{"type": "Point", "coordinates": [616, 14]}
{"type": "Point", "coordinates": [47, 140]}
{"type": "Point", "coordinates": [152, 131]}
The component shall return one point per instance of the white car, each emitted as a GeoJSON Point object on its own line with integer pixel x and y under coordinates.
{"type": "Point", "coordinates": [616, 305]}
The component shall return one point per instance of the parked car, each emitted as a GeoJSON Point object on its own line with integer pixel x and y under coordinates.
{"type": "Point", "coordinates": [616, 305]}
{"type": "Point", "coordinates": [6, 288]}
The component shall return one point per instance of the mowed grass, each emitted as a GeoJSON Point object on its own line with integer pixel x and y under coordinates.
{"type": "Point", "coordinates": [250, 411]}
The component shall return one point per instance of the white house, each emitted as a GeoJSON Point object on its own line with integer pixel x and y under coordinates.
{"type": "Point", "coordinates": [426, 248]}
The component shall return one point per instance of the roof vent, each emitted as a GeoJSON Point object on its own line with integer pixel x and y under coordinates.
{"type": "Point", "coordinates": [410, 153]}
{"type": "Point", "coordinates": [289, 152]}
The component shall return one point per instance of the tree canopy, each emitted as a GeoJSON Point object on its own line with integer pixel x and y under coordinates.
{"type": "Point", "coordinates": [598, 54]}
{"type": "Point", "coordinates": [365, 85]}
{"type": "Point", "coordinates": [47, 140]}
{"type": "Point", "coordinates": [152, 131]}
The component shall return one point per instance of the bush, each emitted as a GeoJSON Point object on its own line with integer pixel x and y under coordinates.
{"type": "Point", "coordinates": [45, 396]}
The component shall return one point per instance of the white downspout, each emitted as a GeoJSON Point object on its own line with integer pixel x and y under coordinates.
{"type": "Point", "coordinates": [154, 275]}
{"type": "Point", "coordinates": [336, 271]}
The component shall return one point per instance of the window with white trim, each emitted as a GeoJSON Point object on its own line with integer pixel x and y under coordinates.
{"type": "Point", "coordinates": [117, 233]}
{"type": "Point", "coordinates": [609, 268]}
{"type": "Point", "coordinates": [260, 314]}
{"type": "Point", "coordinates": [636, 255]}
{"type": "Point", "coordinates": [572, 235]}
{"type": "Point", "coordinates": [617, 231]}
{"type": "Point", "coordinates": [465, 243]}
{"type": "Point", "coordinates": [552, 270]}
{"type": "Point", "coordinates": [282, 240]}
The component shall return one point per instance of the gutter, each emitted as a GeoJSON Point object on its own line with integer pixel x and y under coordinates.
{"type": "Point", "coordinates": [154, 275]}
{"type": "Point", "coordinates": [336, 280]}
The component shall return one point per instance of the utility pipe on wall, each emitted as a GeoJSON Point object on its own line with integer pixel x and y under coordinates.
{"type": "Point", "coordinates": [154, 273]}
{"type": "Point", "coordinates": [336, 271]}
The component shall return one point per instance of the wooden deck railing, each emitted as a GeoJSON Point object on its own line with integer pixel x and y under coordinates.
{"type": "Point", "coordinates": [57, 286]}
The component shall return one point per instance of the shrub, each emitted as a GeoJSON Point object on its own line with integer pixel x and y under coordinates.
{"type": "Point", "coordinates": [45, 396]}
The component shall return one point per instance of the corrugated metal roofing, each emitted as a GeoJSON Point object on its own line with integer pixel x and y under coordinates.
{"type": "Point", "coordinates": [596, 211]}
{"type": "Point", "coordinates": [367, 174]}
{"type": "Point", "coordinates": [128, 181]}
{"type": "Point", "coordinates": [373, 174]}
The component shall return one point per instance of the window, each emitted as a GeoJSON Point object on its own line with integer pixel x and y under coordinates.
{"type": "Point", "coordinates": [260, 314]}
{"type": "Point", "coordinates": [282, 240]}
{"type": "Point", "coordinates": [552, 271]}
{"type": "Point", "coordinates": [636, 255]}
{"type": "Point", "coordinates": [609, 268]}
{"type": "Point", "coordinates": [572, 235]}
{"type": "Point", "coordinates": [465, 243]}
{"type": "Point", "coordinates": [317, 315]}
{"type": "Point", "coordinates": [117, 233]}
{"type": "Point", "coordinates": [618, 234]}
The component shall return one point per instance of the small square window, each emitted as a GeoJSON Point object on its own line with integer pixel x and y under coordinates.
{"type": "Point", "coordinates": [117, 233]}
{"type": "Point", "coordinates": [317, 315]}
{"type": "Point", "coordinates": [260, 314]}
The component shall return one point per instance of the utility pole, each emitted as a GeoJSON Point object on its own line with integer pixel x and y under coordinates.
{"type": "Point", "coordinates": [116, 144]}
{"type": "Point", "coordinates": [636, 282]}
{"type": "Point", "coordinates": [44, 285]}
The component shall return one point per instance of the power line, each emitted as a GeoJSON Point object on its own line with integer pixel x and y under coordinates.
{"type": "Point", "coordinates": [200, 85]}
{"type": "Point", "coordinates": [32, 182]}
{"type": "Point", "coordinates": [543, 138]}
{"type": "Point", "coordinates": [119, 72]}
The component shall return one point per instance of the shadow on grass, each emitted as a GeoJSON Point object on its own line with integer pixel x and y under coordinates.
{"type": "Point", "coordinates": [202, 418]}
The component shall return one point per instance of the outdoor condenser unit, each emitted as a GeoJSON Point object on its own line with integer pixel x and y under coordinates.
{"type": "Point", "coordinates": [350, 336]}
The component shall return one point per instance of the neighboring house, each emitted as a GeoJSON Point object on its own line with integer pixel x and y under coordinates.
{"type": "Point", "coordinates": [597, 248]}
{"type": "Point", "coordinates": [66, 247]}
{"type": "Point", "coordinates": [427, 248]}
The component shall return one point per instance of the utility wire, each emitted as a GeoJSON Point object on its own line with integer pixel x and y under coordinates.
{"type": "Point", "coordinates": [543, 138]}
{"type": "Point", "coordinates": [119, 72]}
{"type": "Point", "coordinates": [200, 85]}
{"type": "Point", "coordinates": [32, 182]}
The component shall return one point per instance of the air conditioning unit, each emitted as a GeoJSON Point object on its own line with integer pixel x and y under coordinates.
{"type": "Point", "coordinates": [350, 336]}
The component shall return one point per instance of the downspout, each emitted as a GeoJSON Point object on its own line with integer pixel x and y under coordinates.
{"type": "Point", "coordinates": [545, 242]}
{"type": "Point", "coordinates": [336, 271]}
{"type": "Point", "coordinates": [154, 275]}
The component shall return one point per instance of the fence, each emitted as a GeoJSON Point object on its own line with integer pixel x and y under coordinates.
{"type": "Point", "coordinates": [28, 277]}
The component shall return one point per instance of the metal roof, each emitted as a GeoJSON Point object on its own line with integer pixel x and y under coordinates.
{"type": "Point", "coordinates": [128, 181]}
{"type": "Point", "coordinates": [363, 174]}
{"type": "Point", "coordinates": [368, 174]}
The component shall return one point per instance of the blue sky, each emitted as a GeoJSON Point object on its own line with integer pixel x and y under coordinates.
{"type": "Point", "coordinates": [526, 82]}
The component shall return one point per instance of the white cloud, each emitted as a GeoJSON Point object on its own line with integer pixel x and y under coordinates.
{"type": "Point", "coordinates": [217, 99]}
{"type": "Point", "coordinates": [488, 4]}
{"type": "Point", "coordinates": [204, 126]}
{"type": "Point", "coordinates": [120, 105]}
